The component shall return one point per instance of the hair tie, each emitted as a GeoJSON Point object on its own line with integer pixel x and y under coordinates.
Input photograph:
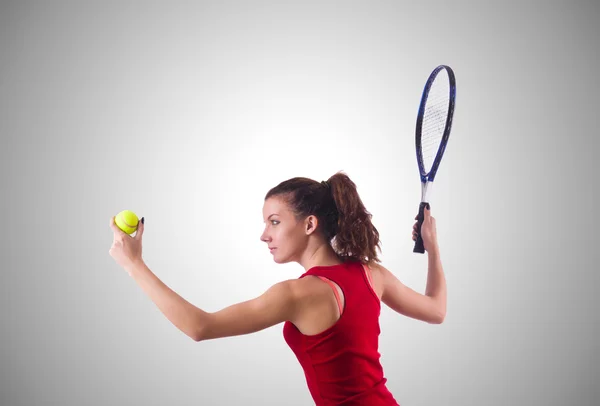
{"type": "Point", "coordinates": [325, 183]}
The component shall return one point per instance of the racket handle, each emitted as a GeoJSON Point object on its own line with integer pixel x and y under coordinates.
{"type": "Point", "coordinates": [419, 247]}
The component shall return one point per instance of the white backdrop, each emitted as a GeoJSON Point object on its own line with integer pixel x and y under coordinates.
{"type": "Point", "coordinates": [188, 114]}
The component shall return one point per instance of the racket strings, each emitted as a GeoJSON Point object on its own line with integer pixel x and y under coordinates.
{"type": "Point", "coordinates": [434, 119]}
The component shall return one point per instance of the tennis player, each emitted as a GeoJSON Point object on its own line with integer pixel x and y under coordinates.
{"type": "Point", "coordinates": [330, 313]}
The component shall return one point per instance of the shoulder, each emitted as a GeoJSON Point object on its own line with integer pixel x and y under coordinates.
{"type": "Point", "coordinates": [377, 269]}
{"type": "Point", "coordinates": [301, 290]}
{"type": "Point", "coordinates": [378, 276]}
{"type": "Point", "coordinates": [308, 287]}
{"type": "Point", "coordinates": [308, 293]}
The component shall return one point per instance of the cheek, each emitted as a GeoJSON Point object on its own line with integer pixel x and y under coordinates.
{"type": "Point", "coordinates": [292, 240]}
{"type": "Point", "coordinates": [282, 238]}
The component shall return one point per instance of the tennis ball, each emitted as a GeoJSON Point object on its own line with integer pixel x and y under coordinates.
{"type": "Point", "coordinates": [127, 221]}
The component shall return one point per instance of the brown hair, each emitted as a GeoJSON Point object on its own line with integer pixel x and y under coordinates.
{"type": "Point", "coordinates": [346, 223]}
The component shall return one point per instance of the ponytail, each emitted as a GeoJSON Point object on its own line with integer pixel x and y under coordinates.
{"type": "Point", "coordinates": [356, 237]}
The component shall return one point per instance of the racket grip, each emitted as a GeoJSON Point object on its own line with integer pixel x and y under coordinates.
{"type": "Point", "coordinates": [419, 247]}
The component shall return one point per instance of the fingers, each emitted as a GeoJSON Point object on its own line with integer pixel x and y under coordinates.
{"type": "Point", "coordinates": [140, 230]}
{"type": "Point", "coordinates": [428, 217]}
{"type": "Point", "coordinates": [115, 228]}
{"type": "Point", "coordinates": [428, 221]}
{"type": "Point", "coordinates": [426, 212]}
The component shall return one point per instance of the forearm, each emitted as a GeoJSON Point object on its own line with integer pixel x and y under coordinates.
{"type": "Point", "coordinates": [436, 282]}
{"type": "Point", "coordinates": [185, 316]}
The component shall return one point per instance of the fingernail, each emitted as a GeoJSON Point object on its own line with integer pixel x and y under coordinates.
{"type": "Point", "coordinates": [142, 220]}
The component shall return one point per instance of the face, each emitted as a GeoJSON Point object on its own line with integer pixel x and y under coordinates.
{"type": "Point", "coordinates": [286, 237]}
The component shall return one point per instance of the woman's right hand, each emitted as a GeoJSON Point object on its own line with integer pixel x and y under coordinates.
{"type": "Point", "coordinates": [428, 232]}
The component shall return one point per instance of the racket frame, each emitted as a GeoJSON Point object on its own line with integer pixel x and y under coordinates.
{"type": "Point", "coordinates": [428, 177]}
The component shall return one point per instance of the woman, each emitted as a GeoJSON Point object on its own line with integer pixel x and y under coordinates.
{"type": "Point", "coordinates": [331, 312]}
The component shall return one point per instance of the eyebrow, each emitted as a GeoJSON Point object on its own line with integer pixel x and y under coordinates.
{"type": "Point", "coordinates": [271, 215]}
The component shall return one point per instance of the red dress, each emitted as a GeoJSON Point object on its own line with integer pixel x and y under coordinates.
{"type": "Point", "coordinates": [341, 364]}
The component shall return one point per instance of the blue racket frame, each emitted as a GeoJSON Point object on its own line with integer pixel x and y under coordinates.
{"type": "Point", "coordinates": [428, 177]}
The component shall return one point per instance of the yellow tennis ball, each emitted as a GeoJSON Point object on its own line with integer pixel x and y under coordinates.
{"type": "Point", "coordinates": [127, 221]}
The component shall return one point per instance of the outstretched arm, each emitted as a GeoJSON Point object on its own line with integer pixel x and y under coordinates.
{"type": "Point", "coordinates": [276, 305]}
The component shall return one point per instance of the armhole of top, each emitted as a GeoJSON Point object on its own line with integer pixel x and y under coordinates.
{"type": "Point", "coordinates": [335, 292]}
{"type": "Point", "coordinates": [367, 272]}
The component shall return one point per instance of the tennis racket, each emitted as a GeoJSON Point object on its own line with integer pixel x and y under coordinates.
{"type": "Point", "coordinates": [434, 121]}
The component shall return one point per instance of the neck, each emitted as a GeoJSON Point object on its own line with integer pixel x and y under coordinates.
{"type": "Point", "coordinates": [321, 255]}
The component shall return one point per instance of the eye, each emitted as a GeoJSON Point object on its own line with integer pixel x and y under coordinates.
{"type": "Point", "coordinates": [274, 222]}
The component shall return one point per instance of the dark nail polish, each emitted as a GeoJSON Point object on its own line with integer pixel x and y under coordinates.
{"type": "Point", "coordinates": [142, 220]}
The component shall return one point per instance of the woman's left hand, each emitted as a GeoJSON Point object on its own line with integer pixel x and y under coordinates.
{"type": "Point", "coordinates": [126, 250]}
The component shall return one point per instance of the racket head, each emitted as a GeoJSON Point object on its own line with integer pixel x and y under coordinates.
{"type": "Point", "coordinates": [434, 120]}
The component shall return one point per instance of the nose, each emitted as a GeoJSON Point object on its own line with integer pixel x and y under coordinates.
{"type": "Point", "coordinates": [265, 237]}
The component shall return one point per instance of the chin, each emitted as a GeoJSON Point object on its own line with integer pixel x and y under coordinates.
{"type": "Point", "coordinates": [280, 260]}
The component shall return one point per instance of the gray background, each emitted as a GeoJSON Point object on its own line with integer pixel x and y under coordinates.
{"type": "Point", "coordinates": [188, 112]}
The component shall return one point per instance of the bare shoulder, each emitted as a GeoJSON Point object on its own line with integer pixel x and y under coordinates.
{"type": "Point", "coordinates": [382, 278]}
{"type": "Point", "coordinates": [315, 295]}
{"type": "Point", "coordinates": [378, 273]}
{"type": "Point", "coordinates": [310, 289]}
{"type": "Point", "coordinates": [317, 306]}
{"type": "Point", "coordinates": [303, 292]}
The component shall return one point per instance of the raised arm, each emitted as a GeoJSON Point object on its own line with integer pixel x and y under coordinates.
{"type": "Point", "coordinates": [431, 306]}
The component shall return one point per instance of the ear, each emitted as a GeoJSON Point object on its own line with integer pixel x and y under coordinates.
{"type": "Point", "coordinates": [310, 224]}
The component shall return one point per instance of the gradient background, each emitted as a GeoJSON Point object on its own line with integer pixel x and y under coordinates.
{"type": "Point", "coordinates": [188, 112]}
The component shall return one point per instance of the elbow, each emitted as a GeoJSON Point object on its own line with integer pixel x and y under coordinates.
{"type": "Point", "coordinates": [439, 317]}
{"type": "Point", "coordinates": [201, 332]}
{"type": "Point", "coordinates": [197, 337]}
{"type": "Point", "coordinates": [442, 316]}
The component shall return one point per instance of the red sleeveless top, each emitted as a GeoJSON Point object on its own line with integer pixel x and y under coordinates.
{"type": "Point", "coordinates": [341, 364]}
